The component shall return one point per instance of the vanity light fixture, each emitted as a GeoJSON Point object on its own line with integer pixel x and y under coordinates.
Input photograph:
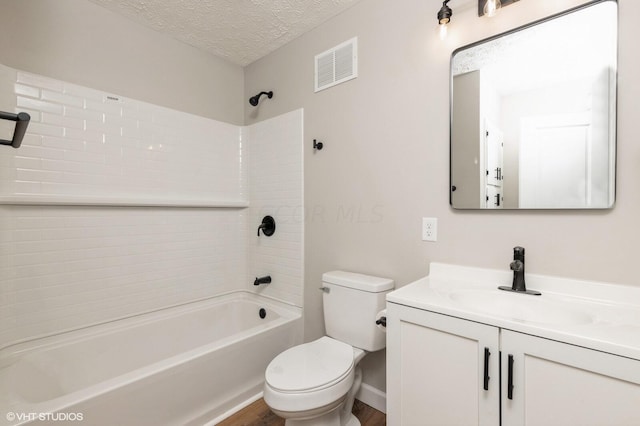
{"type": "Point", "coordinates": [444, 17]}
{"type": "Point", "coordinates": [491, 7]}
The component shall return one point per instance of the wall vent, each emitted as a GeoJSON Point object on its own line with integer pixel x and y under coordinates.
{"type": "Point", "coordinates": [337, 65]}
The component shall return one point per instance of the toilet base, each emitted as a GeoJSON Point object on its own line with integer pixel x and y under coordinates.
{"type": "Point", "coordinates": [353, 421]}
{"type": "Point", "coordinates": [331, 418]}
{"type": "Point", "coordinates": [328, 419]}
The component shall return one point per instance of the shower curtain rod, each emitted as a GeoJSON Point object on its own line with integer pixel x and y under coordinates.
{"type": "Point", "coordinates": [22, 121]}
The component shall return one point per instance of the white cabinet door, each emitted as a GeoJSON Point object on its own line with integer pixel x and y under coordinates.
{"type": "Point", "coordinates": [555, 383]}
{"type": "Point", "coordinates": [436, 370]}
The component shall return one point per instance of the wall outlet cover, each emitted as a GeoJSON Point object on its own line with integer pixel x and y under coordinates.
{"type": "Point", "coordinates": [429, 229]}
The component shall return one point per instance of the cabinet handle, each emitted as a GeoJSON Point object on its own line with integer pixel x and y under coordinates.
{"type": "Point", "coordinates": [487, 354]}
{"type": "Point", "coordinates": [510, 379]}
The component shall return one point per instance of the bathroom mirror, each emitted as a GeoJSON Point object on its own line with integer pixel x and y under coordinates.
{"type": "Point", "coordinates": [533, 115]}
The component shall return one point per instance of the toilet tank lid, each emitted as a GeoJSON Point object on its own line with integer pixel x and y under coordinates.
{"type": "Point", "coordinates": [358, 281]}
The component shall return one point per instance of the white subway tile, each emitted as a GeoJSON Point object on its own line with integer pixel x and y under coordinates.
{"type": "Point", "coordinates": [62, 121]}
{"type": "Point", "coordinates": [26, 235]}
{"type": "Point", "coordinates": [96, 116]}
{"type": "Point", "coordinates": [83, 135]}
{"type": "Point", "coordinates": [37, 258]}
{"type": "Point", "coordinates": [104, 107]}
{"type": "Point", "coordinates": [31, 140]}
{"type": "Point", "coordinates": [119, 121]}
{"type": "Point", "coordinates": [67, 166]}
{"type": "Point", "coordinates": [32, 92]}
{"type": "Point", "coordinates": [63, 189]}
{"type": "Point", "coordinates": [103, 127]}
{"type": "Point", "coordinates": [38, 175]}
{"type": "Point", "coordinates": [84, 156]}
{"type": "Point", "coordinates": [27, 162]}
{"type": "Point", "coordinates": [41, 106]}
{"type": "Point", "coordinates": [118, 140]}
{"type": "Point", "coordinates": [62, 144]}
{"type": "Point", "coordinates": [48, 95]}
{"type": "Point", "coordinates": [83, 92]}
{"type": "Point", "coordinates": [39, 81]}
{"type": "Point", "coordinates": [131, 132]}
{"type": "Point", "coordinates": [45, 129]}
{"type": "Point", "coordinates": [20, 187]}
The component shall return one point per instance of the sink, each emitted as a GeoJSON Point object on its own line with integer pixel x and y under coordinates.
{"type": "Point", "coordinates": [601, 316]}
{"type": "Point", "coordinates": [520, 307]}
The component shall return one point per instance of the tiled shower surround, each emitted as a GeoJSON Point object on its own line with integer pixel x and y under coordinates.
{"type": "Point", "coordinates": [275, 174]}
{"type": "Point", "coordinates": [113, 207]}
{"type": "Point", "coordinates": [86, 144]}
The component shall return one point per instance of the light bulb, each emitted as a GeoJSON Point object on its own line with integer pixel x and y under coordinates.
{"type": "Point", "coordinates": [491, 7]}
{"type": "Point", "coordinates": [443, 31]}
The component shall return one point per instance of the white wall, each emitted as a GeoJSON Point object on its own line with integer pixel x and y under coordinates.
{"type": "Point", "coordinates": [386, 153]}
{"type": "Point", "coordinates": [80, 42]}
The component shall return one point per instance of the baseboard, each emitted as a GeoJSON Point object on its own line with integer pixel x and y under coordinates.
{"type": "Point", "coordinates": [368, 394]}
{"type": "Point", "coordinates": [234, 410]}
{"type": "Point", "coordinates": [373, 397]}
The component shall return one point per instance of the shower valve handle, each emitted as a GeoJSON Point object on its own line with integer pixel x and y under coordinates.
{"type": "Point", "coordinates": [268, 226]}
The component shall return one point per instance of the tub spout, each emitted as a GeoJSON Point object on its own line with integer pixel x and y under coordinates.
{"type": "Point", "coordinates": [262, 280]}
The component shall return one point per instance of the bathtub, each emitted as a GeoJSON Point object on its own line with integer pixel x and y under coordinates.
{"type": "Point", "coordinates": [187, 365]}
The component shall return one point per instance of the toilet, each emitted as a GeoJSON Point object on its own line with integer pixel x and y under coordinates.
{"type": "Point", "coordinates": [314, 384]}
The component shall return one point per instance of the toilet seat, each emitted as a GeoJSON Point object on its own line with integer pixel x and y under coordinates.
{"type": "Point", "coordinates": [309, 376]}
{"type": "Point", "coordinates": [310, 366]}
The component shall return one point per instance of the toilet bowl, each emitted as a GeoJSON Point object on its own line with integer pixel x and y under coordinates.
{"type": "Point", "coordinates": [314, 384]}
{"type": "Point", "coordinates": [311, 380]}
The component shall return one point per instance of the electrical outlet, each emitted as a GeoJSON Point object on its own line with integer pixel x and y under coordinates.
{"type": "Point", "coordinates": [429, 229]}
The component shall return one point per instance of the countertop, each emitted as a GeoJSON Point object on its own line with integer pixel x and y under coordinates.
{"type": "Point", "coordinates": [595, 315]}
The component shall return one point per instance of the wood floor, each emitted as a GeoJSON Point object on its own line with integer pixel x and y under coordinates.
{"type": "Point", "coordinates": [258, 414]}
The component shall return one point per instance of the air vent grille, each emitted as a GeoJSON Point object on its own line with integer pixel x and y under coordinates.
{"type": "Point", "coordinates": [337, 65]}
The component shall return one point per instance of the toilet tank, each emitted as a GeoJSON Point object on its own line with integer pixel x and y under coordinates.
{"type": "Point", "coordinates": [351, 302]}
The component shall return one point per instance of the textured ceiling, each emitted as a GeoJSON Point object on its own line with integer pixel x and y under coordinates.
{"type": "Point", "coordinates": [240, 31]}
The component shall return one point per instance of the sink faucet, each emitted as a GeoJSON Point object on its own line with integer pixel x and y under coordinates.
{"type": "Point", "coordinates": [517, 266]}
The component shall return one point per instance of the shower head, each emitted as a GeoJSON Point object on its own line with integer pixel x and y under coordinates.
{"type": "Point", "coordinates": [254, 99]}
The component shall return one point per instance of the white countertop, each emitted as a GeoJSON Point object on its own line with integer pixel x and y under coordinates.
{"type": "Point", "coordinates": [594, 315]}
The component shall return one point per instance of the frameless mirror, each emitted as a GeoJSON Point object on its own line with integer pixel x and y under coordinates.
{"type": "Point", "coordinates": [533, 115]}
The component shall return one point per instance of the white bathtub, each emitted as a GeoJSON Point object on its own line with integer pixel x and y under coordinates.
{"type": "Point", "coordinates": [186, 365]}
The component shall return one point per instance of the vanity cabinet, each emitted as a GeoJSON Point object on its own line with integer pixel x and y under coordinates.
{"type": "Point", "coordinates": [436, 369]}
{"type": "Point", "coordinates": [445, 370]}
{"type": "Point", "coordinates": [555, 383]}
